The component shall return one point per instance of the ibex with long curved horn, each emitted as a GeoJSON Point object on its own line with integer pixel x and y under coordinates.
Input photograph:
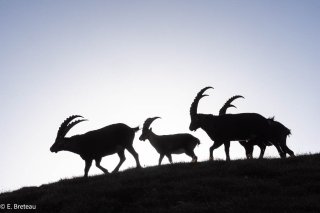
{"type": "Point", "coordinates": [96, 144]}
{"type": "Point", "coordinates": [229, 127]}
{"type": "Point", "coordinates": [248, 146]}
{"type": "Point", "coordinates": [169, 144]}
{"type": "Point", "coordinates": [279, 134]}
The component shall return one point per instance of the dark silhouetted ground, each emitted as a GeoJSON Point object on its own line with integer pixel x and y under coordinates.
{"type": "Point", "coordinates": [269, 185]}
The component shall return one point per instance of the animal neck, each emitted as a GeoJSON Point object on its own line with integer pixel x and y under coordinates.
{"type": "Point", "coordinates": [207, 122]}
{"type": "Point", "coordinates": [71, 144]}
{"type": "Point", "coordinates": [153, 138]}
{"type": "Point", "coordinates": [204, 120]}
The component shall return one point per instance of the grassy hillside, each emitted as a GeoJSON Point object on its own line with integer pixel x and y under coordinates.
{"type": "Point", "coordinates": [269, 185]}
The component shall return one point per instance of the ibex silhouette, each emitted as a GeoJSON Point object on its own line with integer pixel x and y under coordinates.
{"type": "Point", "coordinates": [169, 144]}
{"type": "Point", "coordinates": [279, 134]}
{"type": "Point", "coordinates": [96, 144]}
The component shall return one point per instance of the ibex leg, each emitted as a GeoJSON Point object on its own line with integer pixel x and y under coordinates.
{"type": "Point", "coordinates": [249, 151]}
{"type": "Point", "coordinates": [192, 155]}
{"type": "Point", "coordinates": [122, 159]}
{"type": "Point", "coordinates": [169, 157]}
{"type": "Point", "coordinates": [215, 145]}
{"type": "Point", "coordinates": [247, 148]}
{"type": "Point", "coordinates": [284, 147]}
{"type": "Point", "coordinates": [135, 155]}
{"type": "Point", "coordinates": [280, 151]}
{"type": "Point", "coordinates": [262, 150]}
{"type": "Point", "coordinates": [98, 160]}
{"type": "Point", "coordinates": [226, 149]}
{"type": "Point", "coordinates": [87, 167]}
{"type": "Point", "coordinates": [289, 151]}
{"type": "Point", "coordinates": [160, 159]}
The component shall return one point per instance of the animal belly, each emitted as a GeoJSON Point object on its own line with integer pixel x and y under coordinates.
{"type": "Point", "coordinates": [179, 151]}
{"type": "Point", "coordinates": [109, 150]}
{"type": "Point", "coordinates": [114, 150]}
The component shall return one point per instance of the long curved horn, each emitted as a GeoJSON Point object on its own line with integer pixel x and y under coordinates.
{"type": "Point", "coordinates": [67, 129]}
{"type": "Point", "coordinates": [228, 104]}
{"type": "Point", "coordinates": [194, 105]}
{"type": "Point", "coordinates": [65, 123]}
{"type": "Point", "coordinates": [147, 123]}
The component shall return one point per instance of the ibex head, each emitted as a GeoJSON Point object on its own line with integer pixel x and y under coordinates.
{"type": "Point", "coordinates": [194, 125]}
{"type": "Point", "coordinates": [63, 130]}
{"type": "Point", "coordinates": [146, 130]}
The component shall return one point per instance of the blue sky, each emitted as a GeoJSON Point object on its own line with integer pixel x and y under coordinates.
{"type": "Point", "coordinates": [125, 61]}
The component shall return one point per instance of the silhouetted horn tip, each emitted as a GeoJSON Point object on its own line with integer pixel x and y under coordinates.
{"type": "Point", "coordinates": [208, 87]}
{"type": "Point", "coordinates": [204, 89]}
{"type": "Point", "coordinates": [148, 122]}
{"type": "Point", "coordinates": [67, 124]}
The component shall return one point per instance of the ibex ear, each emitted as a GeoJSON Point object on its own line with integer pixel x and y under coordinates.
{"type": "Point", "coordinates": [150, 129]}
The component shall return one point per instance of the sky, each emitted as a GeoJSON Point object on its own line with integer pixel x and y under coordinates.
{"type": "Point", "coordinates": [125, 61]}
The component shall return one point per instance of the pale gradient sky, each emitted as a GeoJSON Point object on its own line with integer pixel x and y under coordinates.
{"type": "Point", "coordinates": [125, 61]}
